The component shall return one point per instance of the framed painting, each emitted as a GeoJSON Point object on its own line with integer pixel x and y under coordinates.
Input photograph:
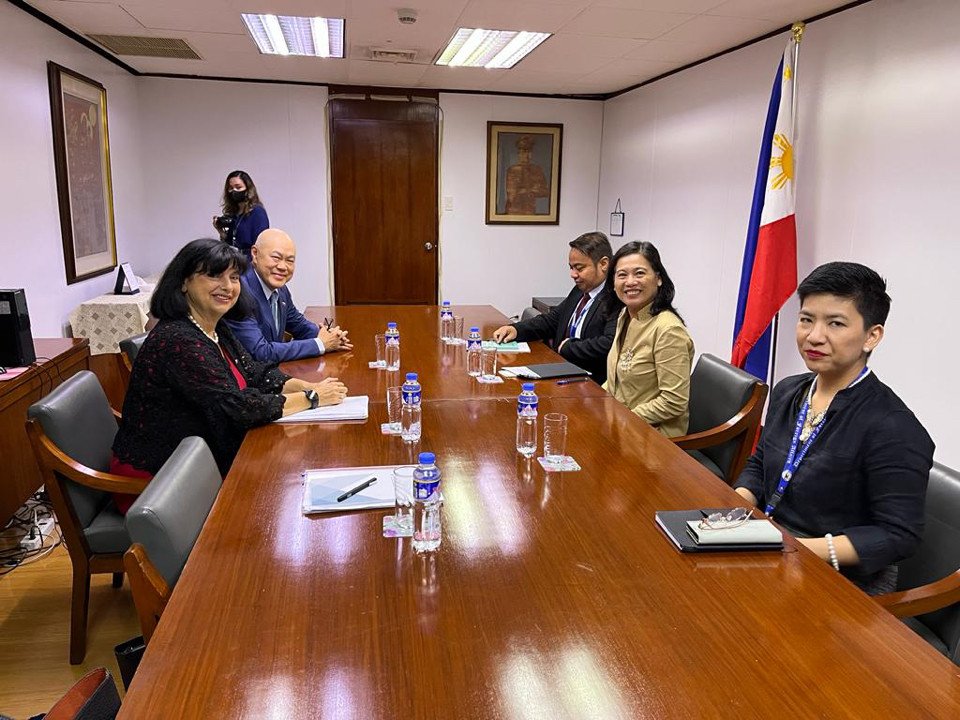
{"type": "Point", "coordinates": [81, 153]}
{"type": "Point", "coordinates": [523, 173]}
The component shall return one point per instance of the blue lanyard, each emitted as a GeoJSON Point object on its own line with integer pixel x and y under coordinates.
{"type": "Point", "coordinates": [793, 458]}
{"type": "Point", "coordinates": [576, 319]}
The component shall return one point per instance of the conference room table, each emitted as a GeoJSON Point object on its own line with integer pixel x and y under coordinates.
{"type": "Point", "coordinates": [553, 594]}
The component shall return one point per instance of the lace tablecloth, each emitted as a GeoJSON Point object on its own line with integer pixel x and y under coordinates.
{"type": "Point", "coordinates": [108, 319]}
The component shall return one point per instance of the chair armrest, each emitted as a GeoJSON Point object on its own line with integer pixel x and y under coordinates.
{"type": "Point", "coordinates": [923, 599]}
{"type": "Point", "coordinates": [54, 459]}
{"type": "Point", "coordinates": [149, 588]}
{"type": "Point", "coordinates": [734, 427]}
{"type": "Point", "coordinates": [117, 414]}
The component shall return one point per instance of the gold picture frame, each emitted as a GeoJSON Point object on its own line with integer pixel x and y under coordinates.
{"type": "Point", "coordinates": [81, 151]}
{"type": "Point", "coordinates": [523, 173]}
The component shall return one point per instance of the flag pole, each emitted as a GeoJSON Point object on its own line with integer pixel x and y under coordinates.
{"type": "Point", "coordinates": [797, 31]}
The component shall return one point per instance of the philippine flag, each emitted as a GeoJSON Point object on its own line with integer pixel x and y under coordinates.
{"type": "Point", "coordinates": [769, 274]}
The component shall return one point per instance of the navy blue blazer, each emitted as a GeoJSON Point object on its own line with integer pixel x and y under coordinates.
{"type": "Point", "coordinates": [257, 333]}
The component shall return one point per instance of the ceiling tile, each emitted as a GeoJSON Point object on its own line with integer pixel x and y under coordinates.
{"type": "Point", "coordinates": [205, 17]}
{"type": "Point", "coordinates": [459, 78]}
{"type": "Point", "coordinates": [510, 15]}
{"type": "Point", "coordinates": [368, 72]}
{"type": "Point", "coordinates": [678, 6]}
{"type": "Point", "coordinates": [563, 54]}
{"type": "Point", "coordinates": [714, 34]}
{"type": "Point", "coordinates": [616, 22]}
{"type": "Point", "coordinates": [532, 82]}
{"type": "Point", "coordinates": [90, 17]}
{"type": "Point", "coordinates": [784, 11]}
{"type": "Point", "coordinates": [670, 52]}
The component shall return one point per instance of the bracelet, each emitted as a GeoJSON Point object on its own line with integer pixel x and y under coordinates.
{"type": "Point", "coordinates": [833, 552]}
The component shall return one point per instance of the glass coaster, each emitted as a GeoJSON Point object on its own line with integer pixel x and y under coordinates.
{"type": "Point", "coordinates": [567, 464]}
{"type": "Point", "coordinates": [489, 381]}
{"type": "Point", "coordinates": [385, 429]}
{"type": "Point", "coordinates": [391, 529]}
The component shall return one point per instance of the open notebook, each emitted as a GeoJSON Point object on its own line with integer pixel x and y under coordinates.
{"type": "Point", "coordinates": [352, 408]}
{"type": "Point", "coordinates": [321, 488]}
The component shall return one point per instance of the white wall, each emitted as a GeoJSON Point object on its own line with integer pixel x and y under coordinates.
{"type": "Point", "coordinates": [878, 110]}
{"type": "Point", "coordinates": [31, 244]}
{"type": "Point", "coordinates": [196, 131]}
{"type": "Point", "coordinates": [506, 265]}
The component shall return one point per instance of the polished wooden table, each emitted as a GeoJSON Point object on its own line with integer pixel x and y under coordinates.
{"type": "Point", "coordinates": [57, 359]}
{"type": "Point", "coordinates": [553, 595]}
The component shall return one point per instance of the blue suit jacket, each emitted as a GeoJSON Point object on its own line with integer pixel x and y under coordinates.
{"type": "Point", "coordinates": [257, 333]}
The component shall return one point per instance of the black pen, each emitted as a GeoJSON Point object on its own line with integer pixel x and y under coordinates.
{"type": "Point", "coordinates": [327, 322]}
{"type": "Point", "coordinates": [571, 380]}
{"type": "Point", "coordinates": [353, 491]}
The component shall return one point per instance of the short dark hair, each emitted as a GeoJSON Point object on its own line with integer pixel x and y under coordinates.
{"type": "Point", "coordinates": [855, 282]}
{"type": "Point", "coordinates": [594, 245]}
{"type": "Point", "coordinates": [663, 300]}
{"type": "Point", "coordinates": [206, 256]}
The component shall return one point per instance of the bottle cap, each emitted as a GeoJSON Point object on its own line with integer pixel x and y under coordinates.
{"type": "Point", "coordinates": [427, 458]}
{"type": "Point", "coordinates": [475, 329]}
{"type": "Point", "coordinates": [411, 376]}
{"type": "Point", "coordinates": [391, 324]}
{"type": "Point", "coordinates": [446, 302]}
{"type": "Point", "coordinates": [528, 387]}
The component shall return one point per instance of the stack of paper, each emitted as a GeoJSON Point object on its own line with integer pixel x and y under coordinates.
{"type": "Point", "coordinates": [352, 408]}
{"type": "Point", "coordinates": [512, 346]}
{"type": "Point", "coordinates": [321, 488]}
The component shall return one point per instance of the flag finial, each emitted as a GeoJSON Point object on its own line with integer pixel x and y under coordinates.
{"type": "Point", "coordinates": [797, 31]}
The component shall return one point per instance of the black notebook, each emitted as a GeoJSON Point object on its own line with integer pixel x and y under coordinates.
{"type": "Point", "coordinates": [674, 526]}
{"type": "Point", "coordinates": [548, 371]}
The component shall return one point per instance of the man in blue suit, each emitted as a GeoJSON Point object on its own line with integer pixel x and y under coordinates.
{"type": "Point", "coordinates": [273, 260]}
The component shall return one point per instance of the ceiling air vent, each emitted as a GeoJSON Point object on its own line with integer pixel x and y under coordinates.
{"type": "Point", "coordinates": [393, 55]}
{"type": "Point", "coordinates": [147, 46]}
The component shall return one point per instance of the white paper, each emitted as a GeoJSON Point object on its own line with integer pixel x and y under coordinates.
{"type": "Point", "coordinates": [321, 488]}
{"type": "Point", "coordinates": [519, 371]}
{"type": "Point", "coordinates": [752, 532]}
{"type": "Point", "coordinates": [352, 408]}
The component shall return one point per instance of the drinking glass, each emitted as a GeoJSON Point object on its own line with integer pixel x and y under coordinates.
{"type": "Point", "coordinates": [381, 342]}
{"type": "Point", "coordinates": [489, 358]}
{"type": "Point", "coordinates": [394, 403]}
{"type": "Point", "coordinates": [554, 437]}
{"type": "Point", "coordinates": [403, 489]}
{"type": "Point", "coordinates": [456, 334]}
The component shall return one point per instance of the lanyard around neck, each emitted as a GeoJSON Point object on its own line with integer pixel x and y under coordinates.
{"type": "Point", "coordinates": [794, 458]}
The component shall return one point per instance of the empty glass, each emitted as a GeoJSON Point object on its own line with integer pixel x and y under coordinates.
{"type": "Point", "coordinates": [394, 403]}
{"type": "Point", "coordinates": [554, 437]}
{"type": "Point", "coordinates": [489, 368]}
{"type": "Point", "coordinates": [380, 340]}
{"type": "Point", "coordinates": [403, 489]}
{"type": "Point", "coordinates": [456, 333]}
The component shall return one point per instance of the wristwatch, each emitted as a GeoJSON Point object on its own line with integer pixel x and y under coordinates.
{"type": "Point", "coordinates": [313, 398]}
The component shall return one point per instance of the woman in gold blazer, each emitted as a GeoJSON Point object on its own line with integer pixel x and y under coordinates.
{"type": "Point", "coordinates": [648, 368]}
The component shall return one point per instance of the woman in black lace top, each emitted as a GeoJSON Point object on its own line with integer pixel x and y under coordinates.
{"type": "Point", "coordinates": [192, 377]}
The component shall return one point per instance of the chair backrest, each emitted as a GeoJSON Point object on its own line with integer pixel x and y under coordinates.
{"type": "Point", "coordinates": [167, 517]}
{"type": "Point", "coordinates": [718, 391]}
{"type": "Point", "coordinates": [77, 418]}
{"type": "Point", "coordinates": [939, 552]}
{"type": "Point", "coordinates": [530, 312]}
{"type": "Point", "coordinates": [131, 346]}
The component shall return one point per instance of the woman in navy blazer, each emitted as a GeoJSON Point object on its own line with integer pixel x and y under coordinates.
{"type": "Point", "coordinates": [242, 202]}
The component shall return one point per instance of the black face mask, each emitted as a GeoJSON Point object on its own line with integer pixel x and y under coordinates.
{"type": "Point", "coordinates": [238, 196]}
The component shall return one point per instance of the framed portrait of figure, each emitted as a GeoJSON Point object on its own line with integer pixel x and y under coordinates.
{"type": "Point", "coordinates": [523, 173]}
{"type": "Point", "coordinates": [81, 152]}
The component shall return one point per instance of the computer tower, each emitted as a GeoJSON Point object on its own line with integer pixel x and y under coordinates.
{"type": "Point", "coordinates": [16, 340]}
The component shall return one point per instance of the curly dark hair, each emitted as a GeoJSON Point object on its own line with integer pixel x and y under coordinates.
{"type": "Point", "coordinates": [206, 256]}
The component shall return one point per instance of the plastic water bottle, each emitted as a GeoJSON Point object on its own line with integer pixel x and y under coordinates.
{"type": "Point", "coordinates": [426, 504]}
{"type": "Point", "coordinates": [527, 403]}
{"type": "Point", "coordinates": [410, 410]}
{"type": "Point", "coordinates": [392, 343]}
{"type": "Point", "coordinates": [474, 358]}
{"type": "Point", "coordinates": [446, 321]}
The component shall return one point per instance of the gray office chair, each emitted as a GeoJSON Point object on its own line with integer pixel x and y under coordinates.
{"type": "Point", "coordinates": [726, 404]}
{"type": "Point", "coordinates": [928, 584]}
{"type": "Point", "coordinates": [530, 312]}
{"type": "Point", "coordinates": [72, 431]}
{"type": "Point", "coordinates": [131, 346]}
{"type": "Point", "coordinates": [164, 523]}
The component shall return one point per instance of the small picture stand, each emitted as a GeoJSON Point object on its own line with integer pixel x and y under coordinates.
{"type": "Point", "coordinates": [127, 283]}
{"type": "Point", "coordinates": [616, 221]}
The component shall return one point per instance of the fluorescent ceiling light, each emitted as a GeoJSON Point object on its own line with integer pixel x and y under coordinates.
{"type": "Point", "coordinates": [475, 47]}
{"type": "Point", "coordinates": [290, 35]}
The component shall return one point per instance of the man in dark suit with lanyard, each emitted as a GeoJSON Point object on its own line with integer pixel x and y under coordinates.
{"type": "Point", "coordinates": [581, 328]}
{"type": "Point", "coordinates": [273, 260]}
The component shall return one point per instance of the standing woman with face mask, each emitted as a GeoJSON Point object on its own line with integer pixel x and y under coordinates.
{"type": "Point", "coordinates": [244, 216]}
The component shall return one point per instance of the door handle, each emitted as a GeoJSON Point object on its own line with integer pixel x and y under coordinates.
{"type": "Point", "coordinates": [428, 246]}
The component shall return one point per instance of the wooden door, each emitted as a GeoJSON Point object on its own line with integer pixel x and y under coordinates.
{"type": "Point", "coordinates": [385, 209]}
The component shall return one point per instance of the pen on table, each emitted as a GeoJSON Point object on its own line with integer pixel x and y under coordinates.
{"type": "Point", "coordinates": [353, 491]}
{"type": "Point", "coordinates": [571, 380]}
{"type": "Point", "coordinates": [327, 322]}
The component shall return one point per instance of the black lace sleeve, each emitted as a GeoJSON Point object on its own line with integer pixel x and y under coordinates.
{"type": "Point", "coordinates": [264, 376]}
{"type": "Point", "coordinates": [197, 369]}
